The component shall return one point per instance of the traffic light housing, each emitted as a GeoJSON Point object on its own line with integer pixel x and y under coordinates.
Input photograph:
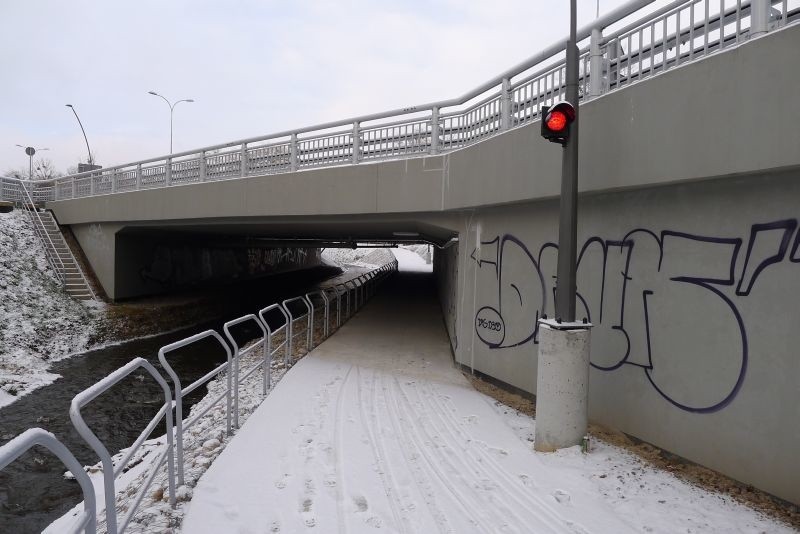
{"type": "Point", "coordinates": [556, 121]}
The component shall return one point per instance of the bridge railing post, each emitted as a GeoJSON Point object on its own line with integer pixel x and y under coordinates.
{"type": "Point", "coordinates": [138, 176]}
{"type": "Point", "coordinates": [596, 63]}
{"type": "Point", "coordinates": [113, 180]}
{"type": "Point", "coordinates": [91, 184]}
{"type": "Point", "coordinates": [356, 142]}
{"type": "Point", "coordinates": [505, 105]}
{"type": "Point", "coordinates": [243, 161]}
{"type": "Point", "coordinates": [203, 172]}
{"type": "Point", "coordinates": [434, 148]}
{"type": "Point", "coordinates": [759, 16]}
{"type": "Point", "coordinates": [168, 172]}
{"type": "Point", "coordinates": [293, 153]}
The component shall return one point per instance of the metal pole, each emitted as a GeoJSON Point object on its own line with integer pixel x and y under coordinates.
{"type": "Point", "coordinates": [568, 218]}
{"type": "Point", "coordinates": [171, 109]}
{"type": "Point", "coordinates": [91, 159]}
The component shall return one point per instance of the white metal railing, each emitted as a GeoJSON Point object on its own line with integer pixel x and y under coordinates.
{"type": "Point", "coordinates": [656, 41]}
{"type": "Point", "coordinates": [175, 426]}
{"type": "Point", "coordinates": [86, 521]}
{"type": "Point", "coordinates": [50, 252]}
{"type": "Point", "coordinates": [111, 471]}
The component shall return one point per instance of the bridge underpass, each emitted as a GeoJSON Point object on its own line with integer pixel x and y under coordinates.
{"type": "Point", "coordinates": [689, 223]}
{"type": "Point", "coordinates": [688, 232]}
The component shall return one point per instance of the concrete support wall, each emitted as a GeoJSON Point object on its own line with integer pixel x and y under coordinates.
{"type": "Point", "coordinates": [693, 292]}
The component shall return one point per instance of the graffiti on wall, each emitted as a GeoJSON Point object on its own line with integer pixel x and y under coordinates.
{"type": "Point", "coordinates": [659, 301]}
{"type": "Point", "coordinates": [173, 265]}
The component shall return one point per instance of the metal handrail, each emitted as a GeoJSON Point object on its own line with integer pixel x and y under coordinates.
{"type": "Point", "coordinates": [41, 232]}
{"type": "Point", "coordinates": [109, 471]}
{"type": "Point", "coordinates": [87, 520]}
{"type": "Point", "coordinates": [290, 332]}
{"type": "Point", "coordinates": [238, 353]}
{"type": "Point", "coordinates": [180, 392]}
{"type": "Point", "coordinates": [422, 128]}
{"type": "Point", "coordinates": [262, 314]}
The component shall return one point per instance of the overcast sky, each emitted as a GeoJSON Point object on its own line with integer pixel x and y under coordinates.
{"type": "Point", "coordinates": [253, 67]}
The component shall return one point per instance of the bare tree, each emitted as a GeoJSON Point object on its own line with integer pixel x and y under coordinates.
{"type": "Point", "coordinates": [43, 169]}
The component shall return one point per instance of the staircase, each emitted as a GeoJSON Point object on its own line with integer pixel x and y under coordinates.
{"type": "Point", "coordinates": [75, 283]}
{"type": "Point", "coordinates": [58, 254]}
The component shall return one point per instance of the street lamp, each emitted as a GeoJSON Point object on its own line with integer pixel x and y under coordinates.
{"type": "Point", "coordinates": [91, 160]}
{"type": "Point", "coordinates": [171, 109]}
{"type": "Point", "coordinates": [30, 151]}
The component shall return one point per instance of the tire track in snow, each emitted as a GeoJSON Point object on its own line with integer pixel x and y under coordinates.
{"type": "Point", "coordinates": [472, 508]}
{"type": "Point", "coordinates": [339, 448]}
{"type": "Point", "coordinates": [423, 482]}
{"type": "Point", "coordinates": [482, 460]}
{"type": "Point", "coordinates": [375, 437]}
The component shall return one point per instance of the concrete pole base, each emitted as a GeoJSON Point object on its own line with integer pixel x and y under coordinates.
{"type": "Point", "coordinates": [562, 385]}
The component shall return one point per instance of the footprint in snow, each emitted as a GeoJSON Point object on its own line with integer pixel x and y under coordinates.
{"type": "Point", "coordinates": [361, 503]}
{"type": "Point", "coordinates": [561, 496]}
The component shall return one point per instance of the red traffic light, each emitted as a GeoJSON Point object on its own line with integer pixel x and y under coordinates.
{"type": "Point", "coordinates": [556, 121]}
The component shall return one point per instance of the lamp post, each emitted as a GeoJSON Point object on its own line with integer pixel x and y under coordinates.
{"type": "Point", "coordinates": [91, 159]}
{"type": "Point", "coordinates": [171, 109]}
{"type": "Point", "coordinates": [30, 151]}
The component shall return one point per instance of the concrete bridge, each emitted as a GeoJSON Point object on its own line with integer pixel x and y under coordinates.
{"type": "Point", "coordinates": [688, 218]}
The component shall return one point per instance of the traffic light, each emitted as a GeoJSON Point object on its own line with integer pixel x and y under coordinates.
{"type": "Point", "coordinates": [556, 120]}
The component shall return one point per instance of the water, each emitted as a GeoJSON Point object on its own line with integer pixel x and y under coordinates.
{"type": "Point", "coordinates": [33, 492]}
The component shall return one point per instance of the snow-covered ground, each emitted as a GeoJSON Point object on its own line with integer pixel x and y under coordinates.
{"type": "Point", "coordinates": [39, 323]}
{"type": "Point", "coordinates": [376, 430]}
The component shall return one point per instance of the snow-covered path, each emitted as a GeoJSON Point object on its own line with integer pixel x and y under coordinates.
{"type": "Point", "coordinates": [376, 430]}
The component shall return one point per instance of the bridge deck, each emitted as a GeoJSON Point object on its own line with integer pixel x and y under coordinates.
{"type": "Point", "coordinates": [376, 429]}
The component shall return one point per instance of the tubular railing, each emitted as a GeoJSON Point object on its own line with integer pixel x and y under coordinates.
{"type": "Point", "coordinates": [87, 520]}
{"type": "Point", "coordinates": [181, 392]}
{"type": "Point", "coordinates": [660, 39]}
{"type": "Point", "coordinates": [176, 427]}
{"type": "Point", "coordinates": [111, 472]}
{"type": "Point", "coordinates": [291, 334]}
{"type": "Point", "coordinates": [262, 314]}
{"type": "Point", "coordinates": [50, 252]}
{"type": "Point", "coordinates": [238, 352]}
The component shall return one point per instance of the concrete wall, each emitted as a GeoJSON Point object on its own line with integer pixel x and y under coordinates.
{"type": "Point", "coordinates": [693, 292]}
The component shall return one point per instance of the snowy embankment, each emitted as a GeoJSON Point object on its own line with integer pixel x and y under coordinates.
{"type": "Point", "coordinates": [39, 323]}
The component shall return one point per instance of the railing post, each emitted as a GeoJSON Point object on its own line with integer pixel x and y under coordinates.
{"type": "Point", "coordinates": [759, 16]}
{"type": "Point", "coordinates": [434, 131]}
{"type": "Point", "coordinates": [243, 161]}
{"type": "Point", "coordinates": [138, 176]}
{"type": "Point", "coordinates": [595, 63]}
{"type": "Point", "coordinates": [293, 153]}
{"type": "Point", "coordinates": [203, 173]}
{"type": "Point", "coordinates": [505, 105]}
{"type": "Point", "coordinates": [356, 143]}
{"type": "Point", "coordinates": [113, 180]}
{"type": "Point", "coordinates": [168, 172]}
{"type": "Point", "coordinates": [91, 184]}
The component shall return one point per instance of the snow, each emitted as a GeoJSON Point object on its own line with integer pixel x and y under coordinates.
{"type": "Point", "coordinates": [376, 429]}
{"type": "Point", "coordinates": [39, 323]}
{"type": "Point", "coordinates": [409, 260]}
